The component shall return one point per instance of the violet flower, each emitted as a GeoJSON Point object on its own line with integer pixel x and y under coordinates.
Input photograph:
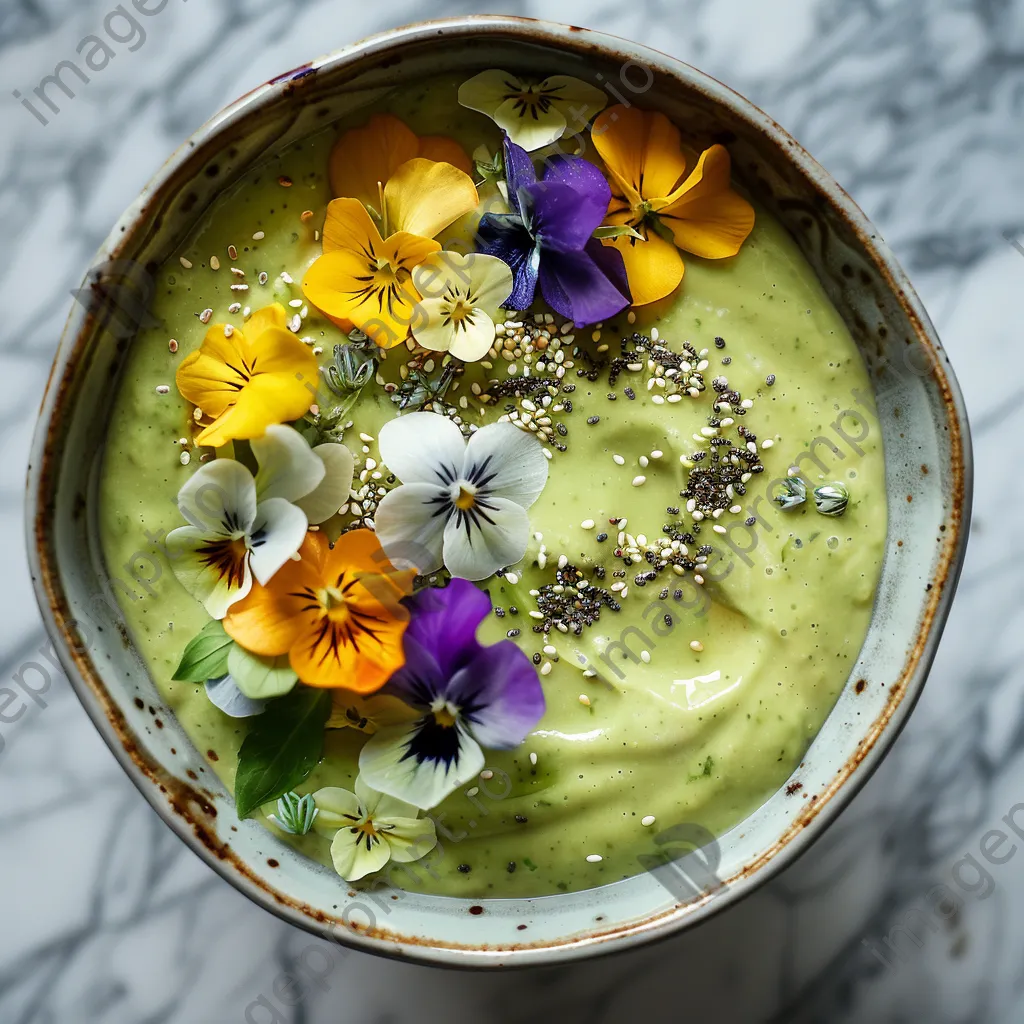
{"type": "Point", "coordinates": [548, 237]}
{"type": "Point", "coordinates": [462, 695]}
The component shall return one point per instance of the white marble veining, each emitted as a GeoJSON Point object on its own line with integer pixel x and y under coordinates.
{"type": "Point", "coordinates": [918, 110]}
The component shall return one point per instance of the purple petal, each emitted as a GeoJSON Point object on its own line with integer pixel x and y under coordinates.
{"type": "Point", "coordinates": [561, 221]}
{"type": "Point", "coordinates": [506, 237]}
{"type": "Point", "coordinates": [444, 623]}
{"type": "Point", "coordinates": [612, 265]}
{"type": "Point", "coordinates": [500, 696]}
{"type": "Point", "coordinates": [420, 679]}
{"type": "Point", "coordinates": [519, 172]}
{"type": "Point", "coordinates": [574, 285]}
{"type": "Point", "coordinates": [593, 193]}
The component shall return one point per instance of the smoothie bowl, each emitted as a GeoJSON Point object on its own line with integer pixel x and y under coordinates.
{"type": "Point", "coordinates": [497, 516]}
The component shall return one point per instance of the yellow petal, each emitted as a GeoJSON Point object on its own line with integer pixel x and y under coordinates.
{"type": "Point", "coordinates": [424, 197]}
{"type": "Point", "coordinates": [642, 151]}
{"type": "Point", "coordinates": [706, 217]}
{"type": "Point", "coordinates": [211, 376]}
{"type": "Point", "coordinates": [263, 319]}
{"type": "Point", "coordinates": [441, 148]}
{"type": "Point", "coordinates": [365, 156]}
{"type": "Point", "coordinates": [268, 398]}
{"type": "Point", "coordinates": [654, 268]}
{"type": "Point", "coordinates": [349, 226]}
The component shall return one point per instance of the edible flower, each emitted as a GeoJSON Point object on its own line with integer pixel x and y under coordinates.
{"type": "Point", "coordinates": [547, 237]}
{"type": "Point", "coordinates": [364, 159]}
{"type": "Point", "coordinates": [241, 526]}
{"type": "Point", "coordinates": [460, 504]}
{"type": "Point", "coordinates": [468, 696]}
{"type": "Point", "coordinates": [670, 205]}
{"type": "Point", "coordinates": [461, 296]}
{"type": "Point", "coordinates": [533, 114]}
{"type": "Point", "coordinates": [368, 829]}
{"type": "Point", "coordinates": [336, 612]}
{"type": "Point", "coordinates": [831, 499]}
{"type": "Point", "coordinates": [247, 379]}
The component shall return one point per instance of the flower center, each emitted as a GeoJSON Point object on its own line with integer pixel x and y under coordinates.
{"type": "Point", "coordinates": [466, 498]}
{"type": "Point", "coordinates": [460, 312]}
{"type": "Point", "coordinates": [333, 603]}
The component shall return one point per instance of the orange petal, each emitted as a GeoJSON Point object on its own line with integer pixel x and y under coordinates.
{"type": "Point", "coordinates": [270, 619]}
{"type": "Point", "coordinates": [424, 197]}
{"type": "Point", "coordinates": [654, 268]}
{"type": "Point", "coordinates": [365, 156]}
{"type": "Point", "coordinates": [642, 151]}
{"type": "Point", "coordinates": [706, 217]}
{"type": "Point", "coordinates": [445, 150]}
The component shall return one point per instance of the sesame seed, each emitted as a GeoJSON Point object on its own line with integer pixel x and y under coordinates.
{"type": "Point", "coordinates": [639, 481]}
{"type": "Point", "coordinates": [584, 700]}
{"type": "Point", "coordinates": [696, 645]}
{"type": "Point", "coordinates": [770, 379]}
{"type": "Point", "coordinates": [204, 317]}
{"type": "Point", "coordinates": [768, 443]}
{"type": "Point", "coordinates": [647, 820]}
{"type": "Point", "coordinates": [645, 657]}
{"type": "Point", "coordinates": [618, 460]}
{"type": "Point", "coordinates": [719, 529]}
{"type": "Point", "coordinates": [594, 858]}
{"type": "Point", "coordinates": [259, 236]}
{"type": "Point", "coordinates": [185, 458]}
{"type": "Point", "coordinates": [644, 461]}
{"type": "Point", "coordinates": [232, 252]}
{"type": "Point", "coordinates": [512, 578]}
{"type": "Point", "coordinates": [487, 774]}
{"type": "Point", "coordinates": [187, 264]}
{"type": "Point", "coordinates": [657, 453]}
{"type": "Point", "coordinates": [163, 389]}
{"type": "Point", "coordinates": [306, 215]}
{"type": "Point", "coordinates": [264, 277]}
{"type": "Point", "coordinates": [172, 345]}
{"type": "Point", "coordinates": [588, 524]}
{"type": "Point", "coordinates": [533, 757]}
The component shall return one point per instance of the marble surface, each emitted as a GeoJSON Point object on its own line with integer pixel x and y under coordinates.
{"type": "Point", "coordinates": [918, 110]}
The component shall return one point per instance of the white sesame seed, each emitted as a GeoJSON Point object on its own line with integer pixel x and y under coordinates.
{"type": "Point", "coordinates": [172, 345]}
{"type": "Point", "coordinates": [768, 443]}
{"type": "Point", "coordinates": [214, 263]}
{"type": "Point", "coordinates": [639, 481]}
{"type": "Point", "coordinates": [239, 287]}
{"type": "Point", "coordinates": [473, 791]}
{"type": "Point", "coordinates": [584, 700]}
{"type": "Point", "coordinates": [533, 757]}
{"type": "Point", "coordinates": [594, 858]}
{"type": "Point", "coordinates": [512, 578]}
{"type": "Point", "coordinates": [162, 389]}
{"type": "Point", "coordinates": [232, 252]}
{"type": "Point", "coordinates": [618, 460]}
{"type": "Point", "coordinates": [719, 529]}
{"type": "Point", "coordinates": [204, 317]}
{"type": "Point", "coordinates": [587, 524]}
{"type": "Point", "coordinates": [187, 264]}
{"type": "Point", "coordinates": [235, 307]}
{"type": "Point", "coordinates": [185, 458]}
{"type": "Point", "coordinates": [259, 236]}
{"type": "Point", "coordinates": [536, 615]}
{"type": "Point", "coordinates": [657, 453]}
{"type": "Point", "coordinates": [647, 820]}
{"type": "Point", "coordinates": [645, 657]}
{"type": "Point", "coordinates": [644, 461]}
{"type": "Point", "coordinates": [487, 774]}
{"type": "Point", "coordinates": [696, 645]}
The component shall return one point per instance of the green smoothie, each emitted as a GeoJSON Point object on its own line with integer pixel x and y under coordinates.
{"type": "Point", "coordinates": [697, 695]}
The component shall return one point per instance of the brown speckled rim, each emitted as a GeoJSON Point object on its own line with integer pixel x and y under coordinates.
{"type": "Point", "coordinates": [192, 806]}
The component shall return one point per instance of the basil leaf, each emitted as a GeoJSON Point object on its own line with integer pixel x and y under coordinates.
{"type": "Point", "coordinates": [284, 745]}
{"type": "Point", "coordinates": [206, 656]}
{"type": "Point", "coordinates": [261, 678]}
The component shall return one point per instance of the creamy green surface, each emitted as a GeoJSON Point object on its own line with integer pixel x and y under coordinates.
{"type": "Point", "coordinates": [688, 737]}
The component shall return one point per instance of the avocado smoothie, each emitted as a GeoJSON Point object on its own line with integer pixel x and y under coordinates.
{"type": "Point", "coordinates": [687, 634]}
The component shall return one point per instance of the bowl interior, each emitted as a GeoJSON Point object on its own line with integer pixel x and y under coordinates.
{"type": "Point", "coordinates": [916, 406]}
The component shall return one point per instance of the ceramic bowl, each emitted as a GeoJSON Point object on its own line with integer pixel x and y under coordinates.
{"type": "Point", "coordinates": [917, 405]}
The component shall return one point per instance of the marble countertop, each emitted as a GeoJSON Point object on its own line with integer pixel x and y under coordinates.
{"type": "Point", "coordinates": [918, 110]}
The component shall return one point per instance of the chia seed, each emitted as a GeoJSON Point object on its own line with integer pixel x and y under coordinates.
{"type": "Point", "coordinates": [521, 819]}
{"type": "Point", "coordinates": [602, 537]}
{"type": "Point", "coordinates": [513, 633]}
{"type": "Point", "coordinates": [593, 419]}
{"type": "Point", "coordinates": [465, 869]}
{"type": "Point", "coordinates": [770, 379]}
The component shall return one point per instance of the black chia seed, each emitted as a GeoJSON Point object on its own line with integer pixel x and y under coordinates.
{"type": "Point", "coordinates": [513, 633]}
{"type": "Point", "coordinates": [465, 869]}
{"type": "Point", "coordinates": [770, 379]}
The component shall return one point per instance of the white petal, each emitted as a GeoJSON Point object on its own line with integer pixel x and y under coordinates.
{"type": "Point", "coordinates": [491, 535]}
{"type": "Point", "coordinates": [337, 807]}
{"type": "Point", "coordinates": [409, 837]}
{"type": "Point", "coordinates": [322, 503]}
{"type": "Point", "coordinates": [532, 133]}
{"type": "Point", "coordinates": [434, 330]}
{"type": "Point", "coordinates": [288, 467]}
{"type": "Point", "coordinates": [220, 498]}
{"type": "Point", "coordinates": [225, 695]}
{"type": "Point", "coordinates": [491, 282]}
{"type": "Point", "coordinates": [355, 854]}
{"type": "Point", "coordinates": [277, 534]}
{"type": "Point", "coordinates": [422, 447]}
{"type": "Point", "coordinates": [473, 338]}
{"type": "Point", "coordinates": [488, 90]}
{"type": "Point", "coordinates": [383, 764]}
{"type": "Point", "coordinates": [508, 462]}
{"type": "Point", "coordinates": [578, 101]}
{"type": "Point", "coordinates": [408, 527]}
{"type": "Point", "coordinates": [217, 582]}
{"type": "Point", "coordinates": [379, 805]}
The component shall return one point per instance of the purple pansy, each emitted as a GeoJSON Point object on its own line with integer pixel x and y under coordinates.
{"type": "Point", "coordinates": [468, 696]}
{"type": "Point", "coordinates": [548, 237]}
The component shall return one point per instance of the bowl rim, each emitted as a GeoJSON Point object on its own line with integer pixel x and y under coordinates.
{"type": "Point", "coordinates": [879, 736]}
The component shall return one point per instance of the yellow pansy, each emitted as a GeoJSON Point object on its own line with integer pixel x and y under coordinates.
{"type": "Point", "coordinates": [248, 378]}
{"type": "Point", "coordinates": [669, 205]}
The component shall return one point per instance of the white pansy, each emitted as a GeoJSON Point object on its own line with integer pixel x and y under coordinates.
{"type": "Point", "coordinates": [242, 527]}
{"type": "Point", "coordinates": [461, 505]}
{"type": "Point", "coordinates": [534, 114]}
{"type": "Point", "coordinates": [461, 296]}
{"type": "Point", "coordinates": [368, 829]}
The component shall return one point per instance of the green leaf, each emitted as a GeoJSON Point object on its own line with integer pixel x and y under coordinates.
{"type": "Point", "coordinates": [284, 745]}
{"type": "Point", "coordinates": [261, 678]}
{"type": "Point", "coordinates": [206, 656]}
{"type": "Point", "coordinates": [617, 231]}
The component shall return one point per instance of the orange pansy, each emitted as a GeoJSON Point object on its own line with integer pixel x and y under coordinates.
{"type": "Point", "coordinates": [671, 205]}
{"type": "Point", "coordinates": [335, 612]}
